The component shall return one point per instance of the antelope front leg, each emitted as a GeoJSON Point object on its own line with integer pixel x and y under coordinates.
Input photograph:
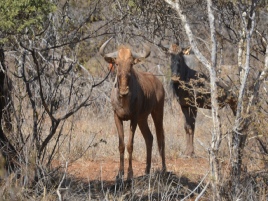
{"type": "Point", "coordinates": [148, 137]}
{"type": "Point", "coordinates": [189, 126]}
{"type": "Point", "coordinates": [189, 151]}
{"type": "Point", "coordinates": [119, 126]}
{"type": "Point", "coordinates": [133, 126]}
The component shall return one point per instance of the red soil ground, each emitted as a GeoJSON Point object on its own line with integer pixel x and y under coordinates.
{"type": "Point", "coordinates": [106, 169]}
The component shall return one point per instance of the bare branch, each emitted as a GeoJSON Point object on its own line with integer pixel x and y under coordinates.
{"type": "Point", "coordinates": [176, 6]}
{"type": "Point", "coordinates": [264, 73]}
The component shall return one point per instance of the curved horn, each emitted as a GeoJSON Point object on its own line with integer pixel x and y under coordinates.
{"type": "Point", "coordinates": [145, 54]}
{"type": "Point", "coordinates": [101, 51]}
{"type": "Point", "coordinates": [109, 56]}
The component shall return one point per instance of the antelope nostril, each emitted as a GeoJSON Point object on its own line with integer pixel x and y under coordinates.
{"type": "Point", "coordinates": [123, 91]}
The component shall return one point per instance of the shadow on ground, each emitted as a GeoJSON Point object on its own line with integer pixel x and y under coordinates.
{"type": "Point", "coordinates": [156, 186]}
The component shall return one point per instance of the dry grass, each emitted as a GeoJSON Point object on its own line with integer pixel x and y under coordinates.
{"type": "Point", "coordinates": [99, 164]}
{"type": "Point", "coordinates": [101, 132]}
{"type": "Point", "coordinates": [89, 146]}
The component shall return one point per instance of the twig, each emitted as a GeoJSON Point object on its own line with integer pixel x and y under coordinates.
{"type": "Point", "coordinates": [196, 187]}
{"type": "Point", "coordinates": [63, 177]}
{"type": "Point", "coordinates": [84, 69]}
{"type": "Point", "coordinates": [202, 192]}
{"type": "Point", "coordinates": [203, 145]}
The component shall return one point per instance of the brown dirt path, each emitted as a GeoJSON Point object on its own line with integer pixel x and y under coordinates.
{"type": "Point", "coordinates": [106, 169]}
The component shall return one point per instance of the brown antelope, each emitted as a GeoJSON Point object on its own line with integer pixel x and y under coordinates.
{"type": "Point", "coordinates": [190, 85]}
{"type": "Point", "coordinates": [136, 95]}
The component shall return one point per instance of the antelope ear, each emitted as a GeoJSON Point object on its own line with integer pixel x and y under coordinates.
{"type": "Point", "coordinates": [174, 49]}
{"type": "Point", "coordinates": [186, 51]}
{"type": "Point", "coordinates": [137, 60]}
{"type": "Point", "coordinates": [111, 66]}
{"type": "Point", "coordinates": [110, 60]}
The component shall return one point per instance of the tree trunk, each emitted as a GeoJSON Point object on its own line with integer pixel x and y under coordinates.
{"type": "Point", "coordinates": [7, 150]}
{"type": "Point", "coordinates": [216, 133]}
{"type": "Point", "coordinates": [211, 66]}
{"type": "Point", "coordinates": [243, 118]}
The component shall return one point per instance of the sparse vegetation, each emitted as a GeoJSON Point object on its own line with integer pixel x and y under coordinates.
{"type": "Point", "coordinates": [58, 137]}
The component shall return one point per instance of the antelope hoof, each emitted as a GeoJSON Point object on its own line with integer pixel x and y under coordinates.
{"type": "Point", "coordinates": [189, 154]}
{"type": "Point", "coordinates": [147, 170]}
{"type": "Point", "coordinates": [120, 177]}
{"type": "Point", "coordinates": [119, 182]}
{"type": "Point", "coordinates": [130, 175]}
